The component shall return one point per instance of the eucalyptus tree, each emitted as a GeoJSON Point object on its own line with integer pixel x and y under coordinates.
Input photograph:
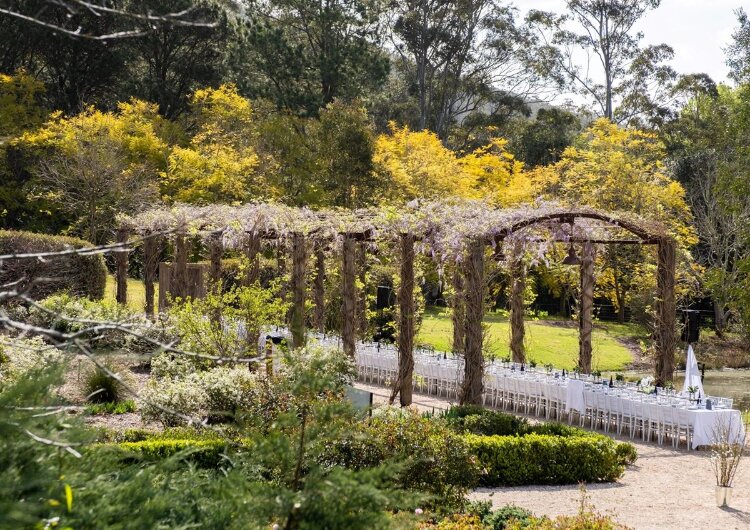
{"type": "Point", "coordinates": [462, 58]}
{"type": "Point", "coordinates": [594, 50]}
{"type": "Point", "coordinates": [738, 51]}
{"type": "Point", "coordinates": [304, 54]}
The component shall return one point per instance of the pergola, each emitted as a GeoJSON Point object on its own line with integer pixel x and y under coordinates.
{"type": "Point", "coordinates": [463, 234]}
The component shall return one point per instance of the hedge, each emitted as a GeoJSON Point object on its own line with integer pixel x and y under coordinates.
{"type": "Point", "coordinates": [545, 459]}
{"type": "Point", "coordinates": [80, 275]}
{"type": "Point", "coordinates": [208, 453]}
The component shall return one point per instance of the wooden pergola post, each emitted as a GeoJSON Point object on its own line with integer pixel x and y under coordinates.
{"type": "Point", "coordinates": [473, 385]}
{"type": "Point", "coordinates": [517, 288]}
{"type": "Point", "coordinates": [458, 310]}
{"type": "Point", "coordinates": [665, 311]}
{"type": "Point", "coordinates": [319, 294]}
{"type": "Point", "coordinates": [362, 293]}
{"type": "Point", "coordinates": [121, 260]}
{"type": "Point", "coordinates": [299, 262]}
{"type": "Point", "coordinates": [151, 254]}
{"type": "Point", "coordinates": [403, 383]}
{"type": "Point", "coordinates": [586, 317]}
{"type": "Point", "coordinates": [178, 285]}
{"type": "Point", "coordinates": [215, 250]}
{"type": "Point", "coordinates": [252, 249]}
{"type": "Point", "coordinates": [349, 295]}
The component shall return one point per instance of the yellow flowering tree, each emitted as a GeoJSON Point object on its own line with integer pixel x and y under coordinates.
{"type": "Point", "coordinates": [96, 164]}
{"type": "Point", "coordinates": [421, 166]}
{"type": "Point", "coordinates": [219, 163]}
{"type": "Point", "coordinates": [617, 169]}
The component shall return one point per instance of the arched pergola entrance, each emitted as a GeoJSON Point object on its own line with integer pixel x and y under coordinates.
{"type": "Point", "coordinates": [643, 234]}
{"type": "Point", "coordinates": [457, 232]}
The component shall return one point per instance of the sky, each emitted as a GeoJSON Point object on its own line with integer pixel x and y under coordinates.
{"type": "Point", "coordinates": [696, 29]}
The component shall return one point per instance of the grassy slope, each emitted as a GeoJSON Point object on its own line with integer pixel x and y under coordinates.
{"type": "Point", "coordinates": [548, 341]}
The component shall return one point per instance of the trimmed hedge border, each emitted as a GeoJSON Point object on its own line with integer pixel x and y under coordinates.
{"type": "Point", "coordinates": [79, 275]}
{"type": "Point", "coordinates": [546, 459]}
{"type": "Point", "coordinates": [208, 453]}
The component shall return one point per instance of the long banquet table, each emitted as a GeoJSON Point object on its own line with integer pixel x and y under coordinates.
{"type": "Point", "coordinates": [551, 390]}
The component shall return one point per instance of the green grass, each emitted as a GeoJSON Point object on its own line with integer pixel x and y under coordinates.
{"type": "Point", "coordinates": [548, 341]}
{"type": "Point", "coordinates": [136, 293]}
{"type": "Point", "coordinates": [121, 407]}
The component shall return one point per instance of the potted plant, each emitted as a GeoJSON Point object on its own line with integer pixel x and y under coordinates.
{"type": "Point", "coordinates": [691, 392]}
{"type": "Point", "coordinates": [728, 444]}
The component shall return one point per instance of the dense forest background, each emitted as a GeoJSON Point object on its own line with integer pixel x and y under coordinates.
{"type": "Point", "coordinates": [354, 103]}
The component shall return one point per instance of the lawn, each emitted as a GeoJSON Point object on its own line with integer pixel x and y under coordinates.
{"type": "Point", "coordinates": [548, 341]}
{"type": "Point", "coordinates": [136, 293]}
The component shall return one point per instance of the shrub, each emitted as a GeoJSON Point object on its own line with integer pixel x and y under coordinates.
{"type": "Point", "coordinates": [545, 459]}
{"type": "Point", "coordinates": [100, 387]}
{"type": "Point", "coordinates": [436, 459]}
{"type": "Point", "coordinates": [19, 356]}
{"type": "Point", "coordinates": [67, 313]}
{"type": "Point", "coordinates": [508, 515]}
{"type": "Point", "coordinates": [478, 420]}
{"type": "Point", "coordinates": [205, 453]}
{"type": "Point", "coordinates": [77, 274]}
{"type": "Point", "coordinates": [217, 395]}
{"type": "Point", "coordinates": [162, 399]}
{"type": "Point", "coordinates": [626, 453]}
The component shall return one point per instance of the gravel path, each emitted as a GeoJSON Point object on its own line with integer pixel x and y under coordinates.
{"type": "Point", "coordinates": [664, 490]}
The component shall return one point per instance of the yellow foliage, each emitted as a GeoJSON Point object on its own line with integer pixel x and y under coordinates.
{"type": "Point", "coordinates": [421, 166]}
{"type": "Point", "coordinates": [617, 169]}
{"type": "Point", "coordinates": [20, 105]}
{"type": "Point", "coordinates": [220, 163]}
{"type": "Point", "coordinates": [133, 129]}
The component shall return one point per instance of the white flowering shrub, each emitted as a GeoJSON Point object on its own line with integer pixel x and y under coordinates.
{"type": "Point", "coordinates": [216, 394]}
{"type": "Point", "coordinates": [21, 355]}
{"type": "Point", "coordinates": [184, 396]}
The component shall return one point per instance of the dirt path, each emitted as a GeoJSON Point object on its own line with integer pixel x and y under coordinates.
{"type": "Point", "coordinates": [664, 490]}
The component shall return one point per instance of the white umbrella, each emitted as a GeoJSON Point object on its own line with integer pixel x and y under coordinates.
{"type": "Point", "coordinates": [692, 374]}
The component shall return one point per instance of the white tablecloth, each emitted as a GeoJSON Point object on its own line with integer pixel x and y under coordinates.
{"type": "Point", "coordinates": [574, 399]}
{"type": "Point", "coordinates": [707, 423]}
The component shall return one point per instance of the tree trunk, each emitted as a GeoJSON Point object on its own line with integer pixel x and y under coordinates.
{"type": "Point", "coordinates": [586, 322]}
{"type": "Point", "coordinates": [720, 319]}
{"type": "Point", "coordinates": [299, 261]}
{"type": "Point", "coordinates": [349, 296]}
{"type": "Point", "coordinates": [665, 312]}
{"type": "Point", "coordinates": [319, 294]}
{"type": "Point", "coordinates": [215, 250]}
{"type": "Point", "coordinates": [517, 288]}
{"type": "Point", "coordinates": [471, 391]}
{"type": "Point", "coordinates": [121, 259]}
{"type": "Point", "coordinates": [403, 384]}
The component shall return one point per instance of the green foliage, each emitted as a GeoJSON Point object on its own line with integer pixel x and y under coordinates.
{"type": "Point", "coordinates": [478, 420]}
{"type": "Point", "coordinates": [244, 312]}
{"type": "Point", "coordinates": [509, 515]}
{"type": "Point", "coordinates": [545, 459]}
{"type": "Point", "coordinates": [77, 274]}
{"type": "Point", "coordinates": [121, 407]}
{"type": "Point", "coordinates": [436, 460]}
{"type": "Point", "coordinates": [626, 453]}
{"type": "Point", "coordinates": [303, 57]}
